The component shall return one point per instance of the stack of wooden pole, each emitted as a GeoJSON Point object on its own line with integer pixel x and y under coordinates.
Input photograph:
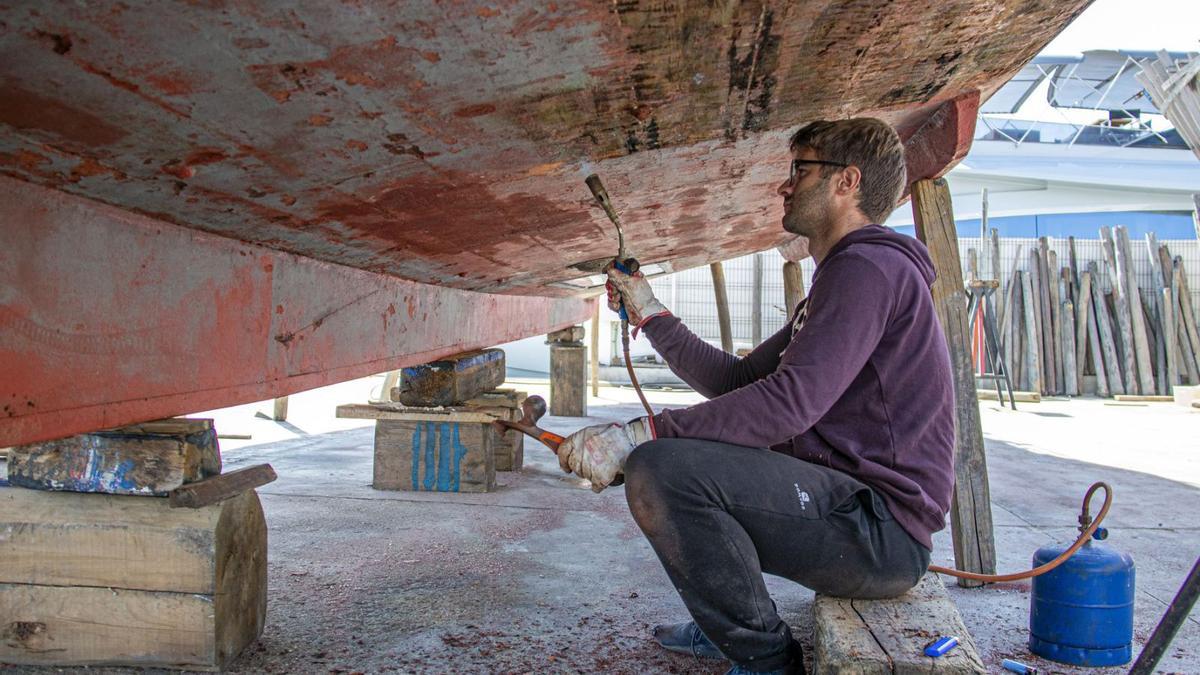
{"type": "Point", "coordinates": [1062, 323]}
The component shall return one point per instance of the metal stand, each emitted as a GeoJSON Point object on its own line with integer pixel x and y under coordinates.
{"type": "Point", "coordinates": [981, 294]}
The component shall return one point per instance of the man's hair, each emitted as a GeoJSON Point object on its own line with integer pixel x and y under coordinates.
{"type": "Point", "coordinates": [871, 145]}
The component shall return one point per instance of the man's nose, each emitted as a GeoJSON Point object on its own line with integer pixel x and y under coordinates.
{"type": "Point", "coordinates": [785, 188]}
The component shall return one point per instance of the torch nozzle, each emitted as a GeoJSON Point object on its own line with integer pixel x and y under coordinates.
{"type": "Point", "coordinates": [601, 195]}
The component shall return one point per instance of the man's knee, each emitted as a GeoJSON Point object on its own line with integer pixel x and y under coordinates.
{"type": "Point", "coordinates": [645, 470]}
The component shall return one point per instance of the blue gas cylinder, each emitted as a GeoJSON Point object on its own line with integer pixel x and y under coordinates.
{"type": "Point", "coordinates": [1081, 612]}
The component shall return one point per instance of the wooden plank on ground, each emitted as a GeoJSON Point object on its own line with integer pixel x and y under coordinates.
{"type": "Point", "coordinates": [1143, 398]}
{"type": "Point", "coordinates": [451, 380]}
{"type": "Point", "coordinates": [151, 458]}
{"type": "Point", "coordinates": [886, 637]}
{"type": "Point", "coordinates": [971, 512]}
{"type": "Point", "coordinates": [89, 579]}
{"type": "Point", "coordinates": [220, 487]}
{"type": "Point", "coordinates": [1018, 396]}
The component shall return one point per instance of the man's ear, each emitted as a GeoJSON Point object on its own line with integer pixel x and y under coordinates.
{"type": "Point", "coordinates": [849, 180]}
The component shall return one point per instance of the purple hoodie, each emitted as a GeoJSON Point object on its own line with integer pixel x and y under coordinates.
{"type": "Point", "coordinates": [863, 386]}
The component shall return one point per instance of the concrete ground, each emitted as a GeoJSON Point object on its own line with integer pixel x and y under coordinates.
{"type": "Point", "coordinates": [542, 575]}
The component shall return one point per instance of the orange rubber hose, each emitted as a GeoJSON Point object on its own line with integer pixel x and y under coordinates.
{"type": "Point", "coordinates": [1087, 533]}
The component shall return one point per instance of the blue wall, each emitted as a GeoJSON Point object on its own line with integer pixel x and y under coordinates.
{"type": "Point", "coordinates": [1165, 225]}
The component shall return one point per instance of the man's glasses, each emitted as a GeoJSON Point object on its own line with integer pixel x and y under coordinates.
{"type": "Point", "coordinates": [796, 163]}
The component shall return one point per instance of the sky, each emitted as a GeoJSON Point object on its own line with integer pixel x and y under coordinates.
{"type": "Point", "coordinates": [1151, 25]}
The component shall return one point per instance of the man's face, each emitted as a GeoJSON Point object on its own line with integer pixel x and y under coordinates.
{"type": "Point", "coordinates": [807, 198]}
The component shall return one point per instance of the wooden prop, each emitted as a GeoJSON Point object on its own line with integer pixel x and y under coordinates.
{"type": "Point", "coordinates": [221, 487]}
{"type": "Point", "coordinates": [971, 513]}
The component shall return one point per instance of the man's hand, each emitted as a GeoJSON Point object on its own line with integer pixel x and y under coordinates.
{"type": "Point", "coordinates": [598, 453]}
{"type": "Point", "coordinates": [635, 291]}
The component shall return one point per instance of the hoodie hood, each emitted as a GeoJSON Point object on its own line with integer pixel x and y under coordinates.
{"type": "Point", "coordinates": [878, 235]}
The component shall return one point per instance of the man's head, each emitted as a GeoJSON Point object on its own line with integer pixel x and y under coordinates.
{"type": "Point", "coordinates": [838, 168]}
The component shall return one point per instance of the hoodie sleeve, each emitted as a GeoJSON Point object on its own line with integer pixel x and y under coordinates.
{"type": "Point", "coordinates": [709, 370]}
{"type": "Point", "coordinates": [847, 315]}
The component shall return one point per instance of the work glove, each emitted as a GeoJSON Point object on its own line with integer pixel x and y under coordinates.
{"type": "Point", "coordinates": [598, 453]}
{"type": "Point", "coordinates": [635, 292]}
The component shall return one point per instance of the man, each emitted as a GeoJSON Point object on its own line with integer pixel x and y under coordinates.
{"type": "Point", "coordinates": [853, 398]}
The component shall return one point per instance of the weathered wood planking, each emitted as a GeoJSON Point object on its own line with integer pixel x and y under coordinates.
{"type": "Point", "coordinates": [421, 455]}
{"type": "Point", "coordinates": [151, 458]}
{"type": "Point", "coordinates": [451, 380]}
{"type": "Point", "coordinates": [887, 637]}
{"type": "Point", "coordinates": [91, 579]}
{"type": "Point", "coordinates": [398, 411]}
{"type": "Point", "coordinates": [971, 511]}
{"type": "Point", "coordinates": [504, 404]}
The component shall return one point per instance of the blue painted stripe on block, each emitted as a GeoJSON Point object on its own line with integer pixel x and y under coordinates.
{"type": "Point", "coordinates": [416, 457]}
{"type": "Point", "coordinates": [430, 466]}
{"type": "Point", "coordinates": [459, 453]}
{"type": "Point", "coordinates": [444, 452]}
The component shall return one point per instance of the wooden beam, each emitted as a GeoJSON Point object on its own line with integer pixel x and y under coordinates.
{"type": "Point", "coordinates": [594, 351]}
{"type": "Point", "coordinates": [793, 285]}
{"type": "Point", "coordinates": [722, 299]}
{"type": "Point", "coordinates": [1108, 345]}
{"type": "Point", "coordinates": [971, 511]}
{"type": "Point", "coordinates": [220, 487]}
{"type": "Point", "coordinates": [1125, 347]}
{"type": "Point", "coordinates": [279, 409]}
{"type": "Point", "coordinates": [1129, 286]}
{"type": "Point", "coordinates": [1033, 362]}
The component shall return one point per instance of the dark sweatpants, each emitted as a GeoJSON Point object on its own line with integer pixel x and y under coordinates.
{"type": "Point", "coordinates": [721, 515]}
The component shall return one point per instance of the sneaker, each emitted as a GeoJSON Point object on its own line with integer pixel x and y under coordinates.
{"type": "Point", "coordinates": [795, 667]}
{"type": "Point", "coordinates": [686, 638]}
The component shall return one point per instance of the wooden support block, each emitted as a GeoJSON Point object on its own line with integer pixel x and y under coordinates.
{"type": "Point", "coordinates": [569, 334]}
{"type": "Point", "coordinates": [451, 380]}
{"type": "Point", "coordinates": [971, 510]}
{"type": "Point", "coordinates": [151, 458]}
{"type": "Point", "coordinates": [90, 579]}
{"type": "Point", "coordinates": [221, 487]}
{"type": "Point", "coordinates": [1137, 398]}
{"type": "Point", "coordinates": [504, 404]}
{"type": "Point", "coordinates": [568, 379]}
{"type": "Point", "coordinates": [421, 455]}
{"type": "Point", "coordinates": [888, 637]}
